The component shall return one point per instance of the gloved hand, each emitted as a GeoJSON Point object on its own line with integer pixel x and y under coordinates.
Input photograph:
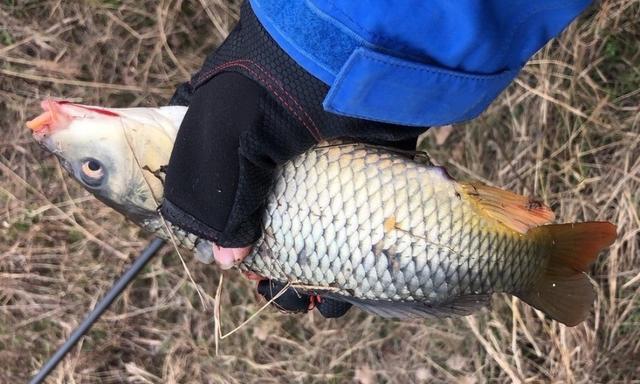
{"type": "Point", "coordinates": [292, 301]}
{"type": "Point", "coordinates": [251, 108]}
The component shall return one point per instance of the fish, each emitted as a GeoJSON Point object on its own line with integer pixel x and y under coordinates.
{"type": "Point", "coordinates": [382, 229]}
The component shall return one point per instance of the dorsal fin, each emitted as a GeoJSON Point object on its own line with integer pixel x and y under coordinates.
{"type": "Point", "coordinates": [517, 212]}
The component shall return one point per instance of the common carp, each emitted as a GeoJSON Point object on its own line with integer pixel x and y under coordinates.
{"type": "Point", "coordinates": [382, 229]}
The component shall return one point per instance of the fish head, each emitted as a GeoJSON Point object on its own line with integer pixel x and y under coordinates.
{"type": "Point", "coordinates": [117, 154]}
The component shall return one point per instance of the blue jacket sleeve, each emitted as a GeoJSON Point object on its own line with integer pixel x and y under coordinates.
{"type": "Point", "coordinates": [414, 62]}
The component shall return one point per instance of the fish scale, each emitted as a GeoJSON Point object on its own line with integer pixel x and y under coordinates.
{"type": "Point", "coordinates": [331, 232]}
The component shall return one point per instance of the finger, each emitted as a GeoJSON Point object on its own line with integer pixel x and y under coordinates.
{"type": "Point", "coordinates": [331, 309]}
{"type": "Point", "coordinates": [253, 276]}
{"type": "Point", "coordinates": [289, 300]}
{"type": "Point", "coordinates": [229, 257]}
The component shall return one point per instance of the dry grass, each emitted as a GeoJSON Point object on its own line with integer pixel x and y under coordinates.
{"type": "Point", "coordinates": [568, 131]}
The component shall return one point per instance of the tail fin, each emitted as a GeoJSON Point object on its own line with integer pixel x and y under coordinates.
{"type": "Point", "coordinates": [563, 291]}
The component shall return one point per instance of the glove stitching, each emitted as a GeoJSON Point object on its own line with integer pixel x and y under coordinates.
{"type": "Point", "coordinates": [271, 84]}
{"type": "Point", "coordinates": [293, 99]}
{"type": "Point", "coordinates": [315, 132]}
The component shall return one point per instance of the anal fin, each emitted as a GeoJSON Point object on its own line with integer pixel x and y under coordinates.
{"type": "Point", "coordinates": [459, 306]}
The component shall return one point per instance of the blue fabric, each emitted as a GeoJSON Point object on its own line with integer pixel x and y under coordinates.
{"type": "Point", "coordinates": [371, 84]}
{"type": "Point", "coordinates": [414, 62]}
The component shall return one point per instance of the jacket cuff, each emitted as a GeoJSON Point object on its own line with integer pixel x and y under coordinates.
{"type": "Point", "coordinates": [376, 86]}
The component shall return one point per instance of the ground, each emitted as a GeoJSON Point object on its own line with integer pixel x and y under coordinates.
{"type": "Point", "coordinates": [567, 131]}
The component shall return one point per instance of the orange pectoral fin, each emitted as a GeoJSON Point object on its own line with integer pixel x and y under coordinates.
{"type": "Point", "coordinates": [517, 212]}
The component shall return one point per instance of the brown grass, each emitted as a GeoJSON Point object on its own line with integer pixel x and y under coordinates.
{"type": "Point", "coordinates": [568, 131]}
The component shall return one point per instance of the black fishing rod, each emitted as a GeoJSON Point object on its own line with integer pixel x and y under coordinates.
{"type": "Point", "coordinates": [99, 309]}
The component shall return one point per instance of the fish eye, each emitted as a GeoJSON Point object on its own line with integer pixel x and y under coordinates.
{"type": "Point", "coordinates": [92, 172]}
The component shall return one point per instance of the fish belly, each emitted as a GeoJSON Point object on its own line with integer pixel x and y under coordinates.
{"type": "Point", "coordinates": [372, 224]}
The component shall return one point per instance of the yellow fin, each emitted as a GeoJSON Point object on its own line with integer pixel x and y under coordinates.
{"type": "Point", "coordinates": [563, 290]}
{"type": "Point", "coordinates": [517, 212]}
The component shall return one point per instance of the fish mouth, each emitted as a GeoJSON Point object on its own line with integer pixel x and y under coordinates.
{"type": "Point", "coordinates": [58, 114]}
{"type": "Point", "coordinates": [53, 117]}
{"type": "Point", "coordinates": [46, 143]}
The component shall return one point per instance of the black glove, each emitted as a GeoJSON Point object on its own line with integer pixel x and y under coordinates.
{"type": "Point", "coordinates": [293, 301]}
{"type": "Point", "coordinates": [251, 108]}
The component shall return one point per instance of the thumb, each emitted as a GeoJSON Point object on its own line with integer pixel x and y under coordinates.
{"type": "Point", "coordinates": [229, 257]}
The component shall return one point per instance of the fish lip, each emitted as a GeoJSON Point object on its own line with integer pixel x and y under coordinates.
{"type": "Point", "coordinates": [52, 118]}
{"type": "Point", "coordinates": [45, 142]}
{"type": "Point", "coordinates": [48, 144]}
